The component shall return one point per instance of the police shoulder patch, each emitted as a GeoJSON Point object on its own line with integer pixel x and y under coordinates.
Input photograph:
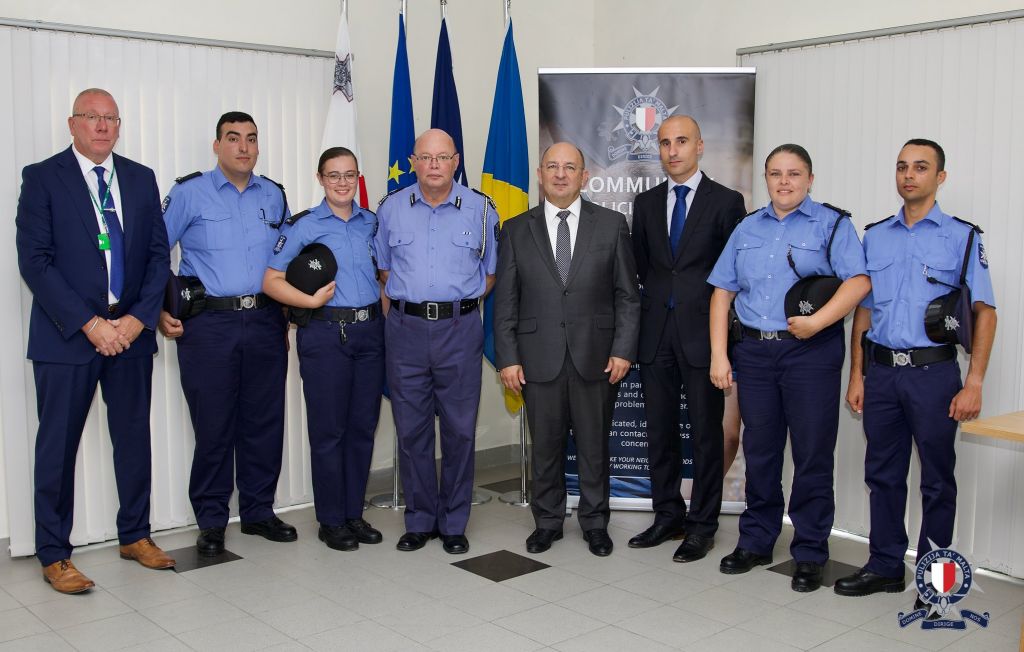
{"type": "Point", "coordinates": [188, 177]}
{"type": "Point", "coordinates": [280, 243]}
{"type": "Point", "coordinates": [878, 222]}
{"type": "Point", "coordinates": [497, 229]}
{"type": "Point", "coordinates": [841, 211]}
{"type": "Point", "coordinates": [982, 256]}
{"type": "Point", "coordinates": [165, 204]}
{"type": "Point", "coordinates": [974, 226]}
{"type": "Point", "coordinates": [487, 198]}
{"type": "Point", "coordinates": [295, 218]}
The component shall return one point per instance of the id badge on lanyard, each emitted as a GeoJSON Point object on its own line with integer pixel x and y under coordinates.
{"type": "Point", "coordinates": [103, 238]}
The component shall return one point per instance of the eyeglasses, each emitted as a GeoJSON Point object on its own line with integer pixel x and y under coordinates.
{"type": "Point", "coordinates": [334, 178]}
{"type": "Point", "coordinates": [427, 158]}
{"type": "Point", "coordinates": [93, 118]}
{"type": "Point", "coordinates": [555, 167]}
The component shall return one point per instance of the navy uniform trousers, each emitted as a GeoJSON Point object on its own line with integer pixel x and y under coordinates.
{"type": "Point", "coordinates": [342, 383]}
{"type": "Point", "coordinates": [233, 367]}
{"type": "Point", "coordinates": [434, 367]}
{"type": "Point", "coordinates": [905, 405]}
{"type": "Point", "coordinates": [790, 385]}
{"type": "Point", "coordinates": [64, 393]}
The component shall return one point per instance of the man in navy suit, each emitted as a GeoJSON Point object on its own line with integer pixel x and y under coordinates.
{"type": "Point", "coordinates": [93, 250]}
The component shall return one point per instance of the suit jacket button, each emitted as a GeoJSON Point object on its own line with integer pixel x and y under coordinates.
{"type": "Point", "coordinates": [562, 324]}
{"type": "Point", "coordinates": [675, 273]}
{"type": "Point", "coordinates": [566, 293]}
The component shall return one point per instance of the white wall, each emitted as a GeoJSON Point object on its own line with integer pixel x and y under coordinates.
{"type": "Point", "coordinates": [549, 33]}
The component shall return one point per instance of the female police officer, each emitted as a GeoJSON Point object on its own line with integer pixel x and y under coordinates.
{"type": "Point", "coordinates": [341, 348]}
{"type": "Point", "coordinates": [789, 367]}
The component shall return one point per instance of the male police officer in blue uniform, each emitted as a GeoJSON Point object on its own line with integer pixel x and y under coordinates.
{"type": "Point", "coordinates": [907, 385]}
{"type": "Point", "coordinates": [233, 356]}
{"type": "Point", "coordinates": [436, 252]}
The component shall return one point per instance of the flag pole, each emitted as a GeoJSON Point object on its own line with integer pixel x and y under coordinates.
{"type": "Point", "coordinates": [405, 16]}
{"type": "Point", "coordinates": [519, 498]}
{"type": "Point", "coordinates": [344, 8]}
{"type": "Point", "coordinates": [508, 9]}
{"type": "Point", "coordinates": [444, 9]}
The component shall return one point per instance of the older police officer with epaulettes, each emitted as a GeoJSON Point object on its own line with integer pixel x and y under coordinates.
{"type": "Point", "coordinates": [325, 266]}
{"type": "Point", "coordinates": [233, 355]}
{"type": "Point", "coordinates": [789, 363]}
{"type": "Point", "coordinates": [436, 252]}
{"type": "Point", "coordinates": [905, 378]}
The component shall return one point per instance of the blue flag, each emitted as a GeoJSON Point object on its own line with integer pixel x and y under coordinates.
{"type": "Point", "coordinates": [506, 173]}
{"type": "Point", "coordinates": [444, 114]}
{"type": "Point", "coordinates": [403, 131]}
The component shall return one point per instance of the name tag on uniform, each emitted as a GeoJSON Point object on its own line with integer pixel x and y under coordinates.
{"type": "Point", "coordinates": [103, 241]}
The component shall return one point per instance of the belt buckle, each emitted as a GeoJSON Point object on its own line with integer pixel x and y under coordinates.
{"type": "Point", "coordinates": [362, 314]}
{"type": "Point", "coordinates": [433, 311]}
{"type": "Point", "coordinates": [901, 359]}
{"type": "Point", "coordinates": [769, 335]}
{"type": "Point", "coordinates": [248, 302]}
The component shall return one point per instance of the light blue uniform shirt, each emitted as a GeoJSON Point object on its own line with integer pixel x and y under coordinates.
{"type": "Point", "coordinates": [754, 265]}
{"type": "Point", "coordinates": [351, 243]}
{"type": "Point", "coordinates": [899, 260]}
{"type": "Point", "coordinates": [226, 236]}
{"type": "Point", "coordinates": [434, 254]}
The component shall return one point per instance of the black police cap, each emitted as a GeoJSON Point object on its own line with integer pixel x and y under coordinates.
{"type": "Point", "coordinates": [809, 294]}
{"type": "Point", "coordinates": [312, 269]}
{"type": "Point", "coordinates": [949, 319]}
{"type": "Point", "coordinates": [184, 296]}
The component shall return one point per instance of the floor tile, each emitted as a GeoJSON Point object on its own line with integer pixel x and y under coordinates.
{"type": "Point", "coordinates": [113, 633]}
{"type": "Point", "coordinates": [549, 624]}
{"type": "Point", "coordinates": [500, 566]}
{"type": "Point", "coordinates": [662, 587]}
{"type": "Point", "coordinates": [364, 635]}
{"type": "Point", "coordinates": [494, 601]}
{"type": "Point", "coordinates": [167, 644]}
{"type": "Point", "coordinates": [609, 604]}
{"type": "Point", "coordinates": [270, 598]}
{"type": "Point", "coordinates": [158, 589]}
{"type": "Point", "coordinates": [832, 570]}
{"type": "Point", "coordinates": [376, 600]}
{"type": "Point", "coordinates": [605, 569]}
{"type": "Point", "coordinates": [858, 640]}
{"type": "Point", "coordinates": [732, 639]}
{"type": "Point", "coordinates": [552, 584]}
{"type": "Point", "coordinates": [308, 618]}
{"type": "Point", "coordinates": [19, 623]}
{"type": "Point", "coordinates": [31, 591]}
{"type": "Point", "coordinates": [192, 613]}
{"type": "Point", "coordinates": [610, 639]}
{"type": "Point", "coordinates": [850, 611]}
{"type": "Point", "coordinates": [793, 628]}
{"type": "Point", "coordinates": [188, 558]}
{"type": "Point", "coordinates": [47, 642]}
{"type": "Point", "coordinates": [69, 610]}
{"type": "Point", "coordinates": [766, 585]}
{"type": "Point", "coordinates": [428, 620]}
{"type": "Point", "coordinates": [984, 640]}
{"type": "Point", "coordinates": [244, 634]}
{"type": "Point", "coordinates": [7, 601]}
{"type": "Point", "coordinates": [494, 638]}
{"type": "Point", "coordinates": [117, 572]}
{"type": "Point", "coordinates": [670, 626]}
{"type": "Point", "coordinates": [723, 605]}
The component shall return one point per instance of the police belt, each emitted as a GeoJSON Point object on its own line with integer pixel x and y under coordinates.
{"type": "Point", "coordinates": [244, 302]}
{"type": "Point", "coordinates": [767, 335]}
{"type": "Point", "coordinates": [434, 310]}
{"type": "Point", "coordinates": [910, 357]}
{"type": "Point", "coordinates": [347, 315]}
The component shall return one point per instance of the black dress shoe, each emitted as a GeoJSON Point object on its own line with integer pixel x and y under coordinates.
{"type": "Point", "coordinates": [414, 540]}
{"type": "Point", "coordinates": [693, 547]}
{"type": "Point", "coordinates": [656, 535]}
{"type": "Point", "coordinates": [338, 537]}
{"type": "Point", "coordinates": [541, 540]}
{"type": "Point", "coordinates": [210, 541]}
{"type": "Point", "coordinates": [741, 561]}
{"type": "Point", "coordinates": [807, 577]}
{"type": "Point", "coordinates": [600, 543]}
{"type": "Point", "coordinates": [272, 529]}
{"type": "Point", "coordinates": [364, 531]}
{"type": "Point", "coordinates": [864, 582]}
{"type": "Point", "coordinates": [921, 604]}
{"type": "Point", "coordinates": [455, 544]}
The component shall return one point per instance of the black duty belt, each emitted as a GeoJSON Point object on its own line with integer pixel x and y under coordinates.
{"type": "Point", "coordinates": [347, 315]}
{"type": "Point", "coordinates": [911, 357]}
{"type": "Point", "coordinates": [434, 310]}
{"type": "Point", "coordinates": [767, 335]}
{"type": "Point", "coordinates": [244, 302]}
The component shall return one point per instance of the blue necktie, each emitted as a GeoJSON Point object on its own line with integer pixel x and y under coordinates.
{"type": "Point", "coordinates": [675, 231]}
{"type": "Point", "coordinates": [115, 234]}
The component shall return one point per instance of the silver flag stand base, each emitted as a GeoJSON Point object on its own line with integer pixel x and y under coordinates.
{"type": "Point", "coordinates": [519, 498]}
{"type": "Point", "coordinates": [387, 501]}
{"type": "Point", "coordinates": [480, 497]}
{"type": "Point", "coordinates": [515, 498]}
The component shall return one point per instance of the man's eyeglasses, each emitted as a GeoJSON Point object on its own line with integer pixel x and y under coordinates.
{"type": "Point", "coordinates": [427, 158]}
{"type": "Point", "coordinates": [334, 178]}
{"type": "Point", "coordinates": [93, 118]}
{"type": "Point", "coordinates": [568, 167]}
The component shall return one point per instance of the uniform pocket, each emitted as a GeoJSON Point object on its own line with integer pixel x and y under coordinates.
{"type": "Point", "coordinates": [464, 258]}
{"type": "Point", "coordinates": [884, 279]}
{"type": "Point", "coordinates": [398, 242]}
{"type": "Point", "coordinates": [217, 229]}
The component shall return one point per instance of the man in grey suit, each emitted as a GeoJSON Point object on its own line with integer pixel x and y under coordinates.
{"type": "Point", "coordinates": [566, 320]}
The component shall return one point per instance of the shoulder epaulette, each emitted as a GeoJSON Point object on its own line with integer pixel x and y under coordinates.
{"type": "Point", "coordinates": [878, 222]}
{"type": "Point", "coordinates": [841, 211]}
{"type": "Point", "coordinates": [486, 197]}
{"type": "Point", "coordinates": [756, 210]}
{"type": "Point", "coordinates": [295, 218]}
{"type": "Point", "coordinates": [263, 176]}
{"type": "Point", "coordinates": [384, 198]}
{"type": "Point", "coordinates": [970, 224]}
{"type": "Point", "coordinates": [188, 177]}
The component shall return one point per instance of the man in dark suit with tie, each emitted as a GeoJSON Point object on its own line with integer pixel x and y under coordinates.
{"type": "Point", "coordinates": [566, 313]}
{"type": "Point", "coordinates": [679, 229]}
{"type": "Point", "coordinates": [93, 251]}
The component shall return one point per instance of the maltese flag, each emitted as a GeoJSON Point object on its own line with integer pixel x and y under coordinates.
{"type": "Point", "coordinates": [340, 128]}
{"type": "Point", "coordinates": [943, 576]}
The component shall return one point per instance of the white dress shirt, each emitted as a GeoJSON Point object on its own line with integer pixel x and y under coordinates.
{"type": "Point", "coordinates": [94, 188]}
{"type": "Point", "coordinates": [670, 203]}
{"type": "Point", "coordinates": [551, 219]}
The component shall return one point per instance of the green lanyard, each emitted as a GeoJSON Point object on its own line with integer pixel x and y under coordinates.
{"type": "Point", "coordinates": [103, 239]}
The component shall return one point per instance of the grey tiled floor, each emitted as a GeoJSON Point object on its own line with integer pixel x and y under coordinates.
{"type": "Point", "coordinates": [304, 596]}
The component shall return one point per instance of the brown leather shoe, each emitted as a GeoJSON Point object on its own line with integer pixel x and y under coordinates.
{"type": "Point", "coordinates": [65, 578]}
{"type": "Point", "coordinates": [148, 554]}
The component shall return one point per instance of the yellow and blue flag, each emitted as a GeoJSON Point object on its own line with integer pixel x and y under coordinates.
{"type": "Point", "coordinates": [403, 131]}
{"type": "Point", "coordinates": [444, 113]}
{"type": "Point", "coordinates": [506, 173]}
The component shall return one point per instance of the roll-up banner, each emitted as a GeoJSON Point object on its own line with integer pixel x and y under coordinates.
{"type": "Point", "coordinates": [613, 115]}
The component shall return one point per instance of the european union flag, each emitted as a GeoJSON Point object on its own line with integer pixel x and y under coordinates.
{"type": "Point", "coordinates": [444, 114]}
{"type": "Point", "coordinates": [403, 131]}
{"type": "Point", "coordinates": [506, 168]}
